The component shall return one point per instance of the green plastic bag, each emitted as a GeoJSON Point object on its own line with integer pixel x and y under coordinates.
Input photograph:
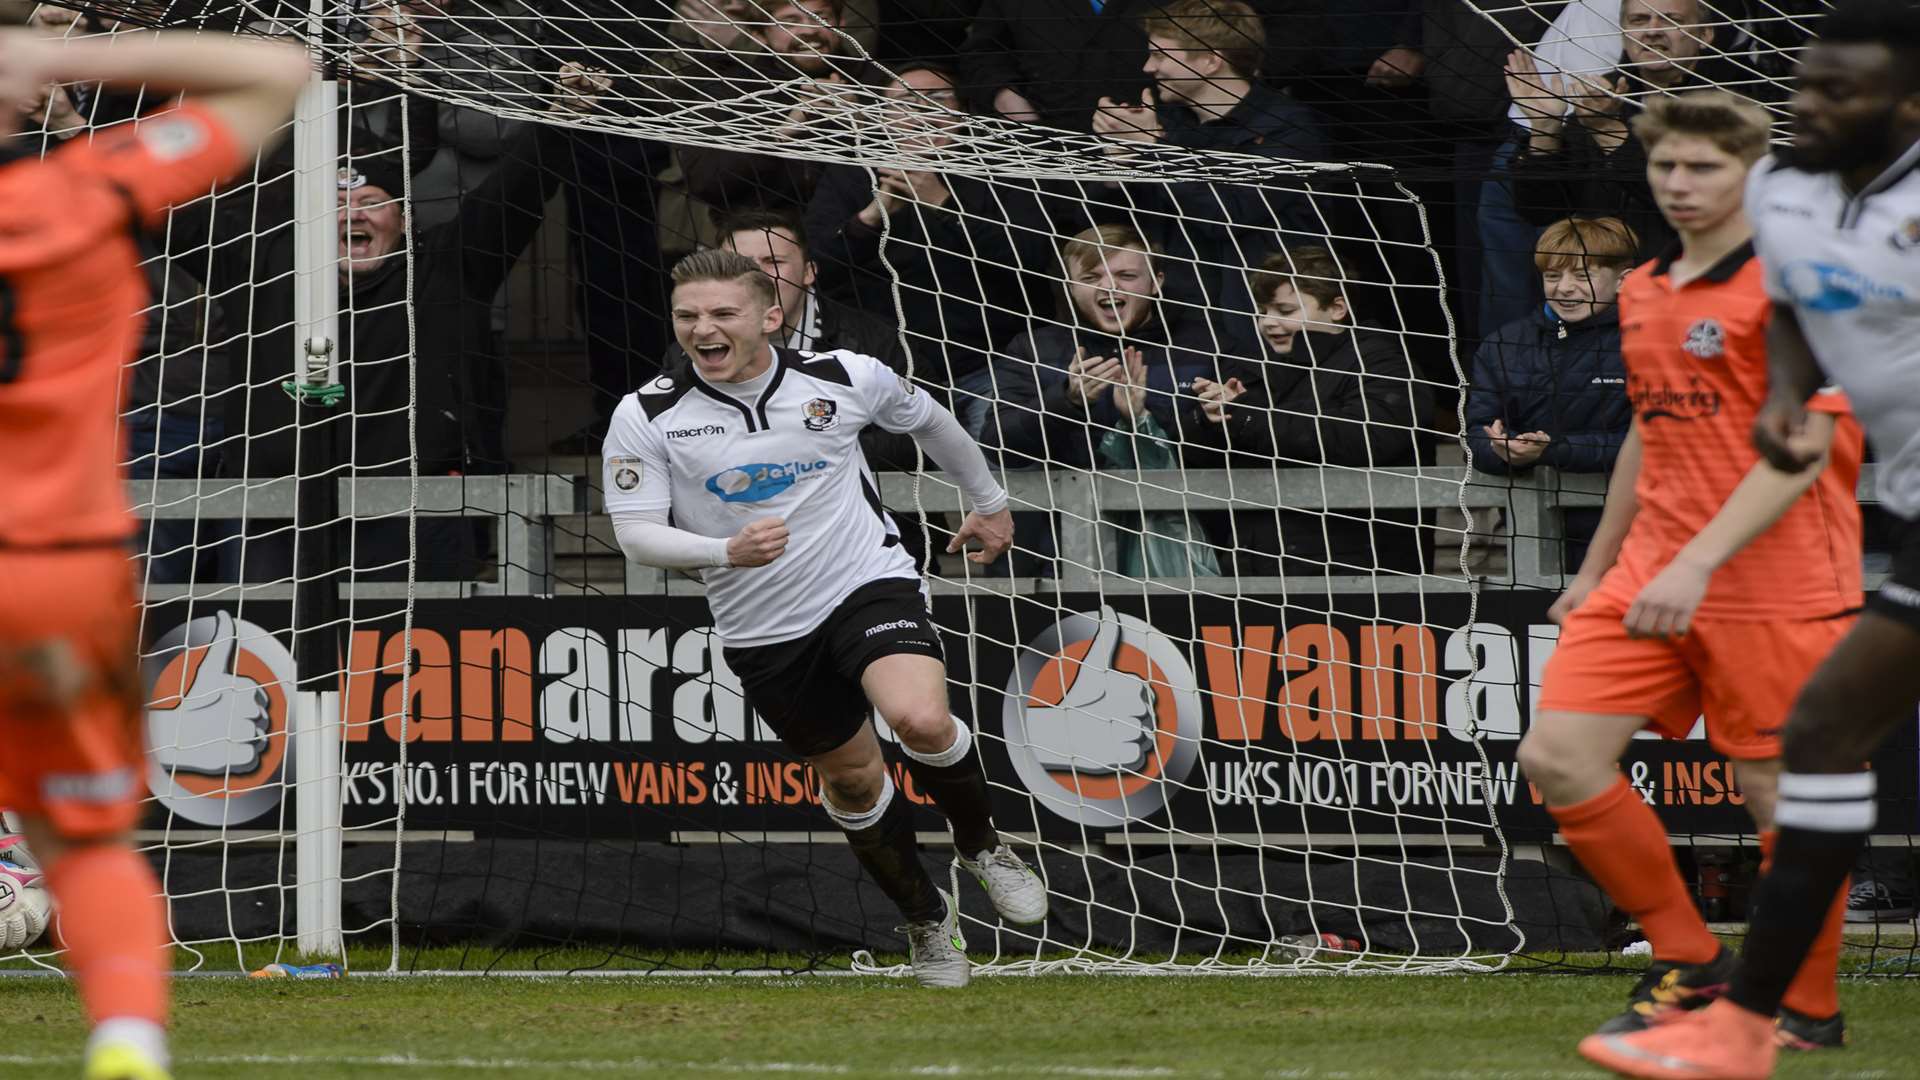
{"type": "Point", "coordinates": [1150, 543]}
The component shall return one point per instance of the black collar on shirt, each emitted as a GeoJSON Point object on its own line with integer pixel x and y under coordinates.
{"type": "Point", "coordinates": [1720, 273]}
{"type": "Point", "coordinates": [759, 408]}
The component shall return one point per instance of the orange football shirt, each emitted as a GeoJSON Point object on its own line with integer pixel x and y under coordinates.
{"type": "Point", "coordinates": [71, 292]}
{"type": "Point", "coordinates": [1696, 362]}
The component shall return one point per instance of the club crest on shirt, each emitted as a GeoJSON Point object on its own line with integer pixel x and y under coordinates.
{"type": "Point", "coordinates": [822, 414]}
{"type": "Point", "coordinates": [1907, 236]}
{"type": "Point", "coordinates": [1705, 339]}
{"type": "Point", "coordinates": [625, 472]}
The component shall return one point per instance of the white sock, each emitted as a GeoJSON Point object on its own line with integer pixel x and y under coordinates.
{"type": "Point", "coordinates": [865, 819]}
{"type": "Point", "coordinates": [952, 755]}
{"type": "Point", "coordinates": [143, 1035]}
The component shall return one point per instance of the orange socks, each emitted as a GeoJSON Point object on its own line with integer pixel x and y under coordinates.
{"type": "Point", "coordinates": [1621, 842]}
{"type": "Point", "coordinates": [1814, 991]}
{"type": "Point", "coordinates": [114, 924]}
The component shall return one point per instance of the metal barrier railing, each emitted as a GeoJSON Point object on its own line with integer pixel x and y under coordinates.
{"type": "Point", "coordinates": [530, 507]}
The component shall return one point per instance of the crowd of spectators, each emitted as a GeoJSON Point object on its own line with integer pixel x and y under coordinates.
{"type": "Point", "coordinates": [1119, 320]}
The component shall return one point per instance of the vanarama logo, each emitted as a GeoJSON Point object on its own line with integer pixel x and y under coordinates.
{"type": "Point", "coordinates": [1695, 400]}
{"type": "Point", "coordinates": [1102, 715]}
{"type": "Point", "coordinates": [218, 691]}
{"type": "Point", "coordinates": [761, 481]}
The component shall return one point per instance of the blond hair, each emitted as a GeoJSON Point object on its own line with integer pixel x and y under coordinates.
{"type": "Point", "coordinates": [1228, 28]}
{"type": "Point", "coordinates": [1089, 247]}
{"type": "Point", "coordinates": [1734, 124]}
{"type": "Point", "coordinates": [722, 264]}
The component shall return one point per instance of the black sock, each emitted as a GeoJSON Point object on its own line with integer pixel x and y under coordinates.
{"type": "Point", "coordinates": [960, 791]}
{"type": "Point", "coordinates": [1824, 820]}
{"type": "Point", "coordinates": [890, 854]}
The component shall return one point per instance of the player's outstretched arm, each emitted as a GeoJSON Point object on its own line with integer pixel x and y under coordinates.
{"type": "Point", "coordinates": [1781, 432]}
{"type": "Point", "coordinates": [1666, 605]}
{"type": "Point", "coordinates": [1623, 503]}
{"type": "Point", "coordinates": [250, 84]}
{"type": "Point", "coordinates": [948, 444]}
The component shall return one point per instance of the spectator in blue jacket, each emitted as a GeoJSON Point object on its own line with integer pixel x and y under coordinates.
{"type": "Point", "coordinates": [1550, 389]}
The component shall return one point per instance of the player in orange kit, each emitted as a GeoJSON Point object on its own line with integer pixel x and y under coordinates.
{"type": "Point", "coordinates": [1716, 583]}
{"type": "Point", "coordinates": [70, 293]}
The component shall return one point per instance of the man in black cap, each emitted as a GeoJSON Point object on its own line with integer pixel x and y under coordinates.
{"type": "Point", "coordinates": [456, 384]}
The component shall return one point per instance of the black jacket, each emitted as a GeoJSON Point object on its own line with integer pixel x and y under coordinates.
{"type": "Point", "coordinates": [1035, 423]}
{"type": "Point", "coordinates": [1344, 400]}
{"type": "Point", "coordinates": [1566, 379]}
{"type": "Point", "coordinates": [965, 268]}
{"type": "Point", "coordinates": [1064, 57]}
{"type": "Point", "coordinates": [1583, 180]}
{"type": "Point", "coordinates": [1337, 399]}
{"type": "Point", "coordinates": [458, 268]}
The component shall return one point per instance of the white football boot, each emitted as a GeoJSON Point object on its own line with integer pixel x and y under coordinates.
{"type": "Point", "coordinates": [1016, 891]}
{"type": "Point", "coordinates": [937, 950]}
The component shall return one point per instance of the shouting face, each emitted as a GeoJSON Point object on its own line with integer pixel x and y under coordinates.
{"type": "Point", "coordinates": [724, 326]}
{"type": "Point", "coordinates": [1116, 293]}
{"type": "Point", "coordinates": [371, 225]}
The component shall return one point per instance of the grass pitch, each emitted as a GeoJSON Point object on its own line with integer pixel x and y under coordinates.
{"type": "Point", "coordinates": [1298, 1028]}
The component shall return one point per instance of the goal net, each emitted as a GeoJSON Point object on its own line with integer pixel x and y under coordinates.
{"type": "Point", "coordinates": [1247, 689]}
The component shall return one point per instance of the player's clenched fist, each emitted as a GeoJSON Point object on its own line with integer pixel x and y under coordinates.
{"type": "Point", "coordinates": [759, 543]}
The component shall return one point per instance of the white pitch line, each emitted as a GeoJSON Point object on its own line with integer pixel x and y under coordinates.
{"type": "Point", "coordinates": [724, 1067]}
{"type": "Point", "coordinates": [648, 1065]}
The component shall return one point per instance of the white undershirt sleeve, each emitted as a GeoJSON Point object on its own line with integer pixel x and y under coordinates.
{"type": "Point", "coordinates": [647, 539]}
{"type": "Point", "coordinates": [951, 448]}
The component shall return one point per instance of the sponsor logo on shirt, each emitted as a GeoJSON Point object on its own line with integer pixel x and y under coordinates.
{"type": "Point", "coordinates": [171, 138]}
{"type": "Point", "coordinates": [625, 472]}
{"type": "Point", "coordinates": [696, 432]}
{"type": "Point", "coordinates": [1696, 400]}
{"type": "Point", "coordinates": [823, 414]}
{"type": "Point", "coordinates": [760, 481]}
{"type": "Point", "coordinates": [1819, 286]}
{"type": "Point", "coordinates": [1907, 236]}
{"type": "Point", "coordinates": [1706, 339]}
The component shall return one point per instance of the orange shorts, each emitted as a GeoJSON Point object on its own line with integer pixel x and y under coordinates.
{"type": "Point", "coordinates": [70, 747]}
{"type": "Point", "coordinates": [1743, 676]}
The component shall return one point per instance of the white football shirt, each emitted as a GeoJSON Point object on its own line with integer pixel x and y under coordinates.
{"type": "Point", "coordinates": [1850, 266]}
{"type": "Point", "coordinates": [789, 447]}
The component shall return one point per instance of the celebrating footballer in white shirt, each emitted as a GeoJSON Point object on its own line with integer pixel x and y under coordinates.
{"type": "Point", "coordinates": [755, 451]}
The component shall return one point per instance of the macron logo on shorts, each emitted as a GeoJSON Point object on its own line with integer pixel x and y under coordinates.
{"type": "Point", "coordinates": [897, 624]}
{"type": "Point", "coordinates": [106, 787]}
